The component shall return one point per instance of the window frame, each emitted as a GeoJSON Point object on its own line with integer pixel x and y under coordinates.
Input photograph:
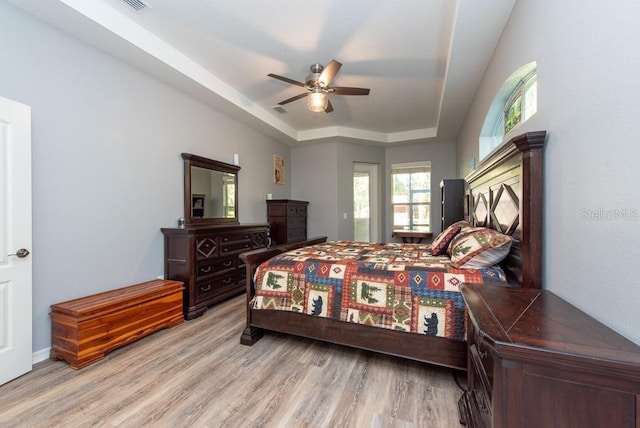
{"type": "Point", "coordinates": [519, 92]}
{"type": "Point", "coordinates": [492, 134]}
{"type": "Point", "coordinates": [412, 206]}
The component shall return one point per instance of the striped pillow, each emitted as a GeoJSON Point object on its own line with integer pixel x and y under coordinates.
{"type": "Point", "coordinates": [440, 244]}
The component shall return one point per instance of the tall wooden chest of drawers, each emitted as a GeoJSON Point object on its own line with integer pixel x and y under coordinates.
{"type": "Point", "coordinates": [205, 258]}
{"type": "Point", "coordinates": [452, 201]}
{"type": "Point", "coordinates": [288, 220]}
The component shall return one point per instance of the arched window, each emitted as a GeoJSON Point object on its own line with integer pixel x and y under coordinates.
{"type": "Point", "coordinates": [515, 103]}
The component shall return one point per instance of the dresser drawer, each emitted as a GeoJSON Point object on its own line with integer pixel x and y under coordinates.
{"type": "Point", "coordinates": [296, 234]}
{"type": "Point", "coordinates": [210, 288]}
{"type": "Point", "coordinates": [207, 247]}
{"type": "Point", "coordinates": [236, 247]}
{"type": "Point", "coordinates": [215, 266]}
{"type": "Point", "coordinates": [286, 208]}
{"type": "Point", "coordinates": [482, 386]}
{"type": "Point", "coordinates": [230, 238]}
{"type": "Point", "coordinates": [295, 209]}
{"type": "Point", "coordinates": [296, 221]}
{"type": "Point", "coordinates": [239, 242]}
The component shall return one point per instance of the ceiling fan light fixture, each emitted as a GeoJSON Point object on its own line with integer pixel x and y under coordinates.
{"type": "Point", "coordinates": [317, 100]}
{"type": "Point", "coordinates": [318, 86]}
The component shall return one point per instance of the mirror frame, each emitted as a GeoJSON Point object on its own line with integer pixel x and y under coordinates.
{"type": "Point", "coordinates": [213, 165]}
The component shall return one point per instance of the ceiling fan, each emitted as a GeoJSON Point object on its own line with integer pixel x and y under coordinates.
{"type": "Point", "coordinates": [317, 84]}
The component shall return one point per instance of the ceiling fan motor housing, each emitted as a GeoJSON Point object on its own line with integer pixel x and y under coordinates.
{"type": "Point", "coordinates": [312, 80]}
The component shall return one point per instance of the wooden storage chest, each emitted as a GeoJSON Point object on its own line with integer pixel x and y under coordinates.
{"type": "Point", "coordinates": [84, 330]}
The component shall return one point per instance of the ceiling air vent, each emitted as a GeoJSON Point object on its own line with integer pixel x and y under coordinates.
{"type": "Point", "coordinates": [138, 5]}
{"type": "Point", "coordinates": [279, 109]}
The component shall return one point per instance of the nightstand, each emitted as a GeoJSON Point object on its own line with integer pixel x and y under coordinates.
{"type": "Point", "coordinates": [534, 361]}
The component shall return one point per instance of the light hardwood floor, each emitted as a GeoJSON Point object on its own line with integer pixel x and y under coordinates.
{"type": "Point", "coordinates": [198, 375]}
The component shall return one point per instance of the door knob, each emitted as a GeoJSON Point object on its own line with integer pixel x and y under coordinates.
{"type": "Point", "coordinates": [21, 253]}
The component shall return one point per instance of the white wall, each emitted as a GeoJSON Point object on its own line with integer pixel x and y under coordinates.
{"type": "Point", "coordinates": [107, 171]}
{"type": "Point", "coordinates": [589, 102]}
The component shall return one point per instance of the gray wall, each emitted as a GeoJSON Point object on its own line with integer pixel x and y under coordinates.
{"type": "Point", "coordinates": [588, 101]}
{"type": "Point", "coordinates": [347, 155]}
{"type": "Point", "coordinates": [323, 175]}
{"type": "Point", "coordinates": [106, 165]}
{"type": "Point", "coordinates": [315, 179]}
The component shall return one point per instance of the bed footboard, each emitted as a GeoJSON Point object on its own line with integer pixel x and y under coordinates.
{"type": "Point", "coordinates": [252, 260]}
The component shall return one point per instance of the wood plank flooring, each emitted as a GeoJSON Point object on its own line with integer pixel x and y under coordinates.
{"type": "Point", "coordinates": [198, 375]}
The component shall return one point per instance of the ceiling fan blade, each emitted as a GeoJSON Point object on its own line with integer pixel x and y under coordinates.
{"type": "Point", "coordinates": [286, 79]}
{"type": "Point", "coordinates": [288, 100]}
{"type": "Point", "coordinates": [344, 90]}
{"type": "Point", "coordinates": [329, 108]}
{"type": "Point", "coordinates": [329, 72]}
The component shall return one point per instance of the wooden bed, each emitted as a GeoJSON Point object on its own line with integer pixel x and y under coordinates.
{"type": "Point", "coordinates": [503, 193]}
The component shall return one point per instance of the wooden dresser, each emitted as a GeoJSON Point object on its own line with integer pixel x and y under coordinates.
{"type": "Point", "coordinates": [205, 259]}
{"type": "Point", "coordinates": [288, 220]}
{"type": "Point", "coordinates": [534, 361]}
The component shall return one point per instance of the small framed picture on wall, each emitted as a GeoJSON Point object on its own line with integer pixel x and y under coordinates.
{"type": "Point", "coordinates": [278, 169]}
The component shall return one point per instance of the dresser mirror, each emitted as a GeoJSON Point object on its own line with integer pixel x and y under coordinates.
{"type": "Point", "coordinates": [210, 191]}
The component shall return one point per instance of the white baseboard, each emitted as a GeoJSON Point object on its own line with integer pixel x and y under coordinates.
{"type": "Point", "coordinates": [41, 355]}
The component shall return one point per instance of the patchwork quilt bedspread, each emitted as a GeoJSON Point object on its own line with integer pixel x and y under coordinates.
{"type": "Point", "coordinates": [391, 285]}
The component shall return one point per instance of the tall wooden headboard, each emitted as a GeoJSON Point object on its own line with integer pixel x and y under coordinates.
{"type": "Point", "coordinates": [505, 193]}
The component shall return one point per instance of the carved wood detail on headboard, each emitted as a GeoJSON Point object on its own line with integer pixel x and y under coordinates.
{"type": "Point", "coordinates": [505, 194]}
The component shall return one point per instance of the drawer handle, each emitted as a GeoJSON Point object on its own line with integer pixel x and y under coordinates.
{"type": "Point", "coordinates": [227, 281]}
{"type": "Point", "coordinates": [225, 239]}
{"type": "Point", "coordinates": [207, 288]}
{"type": "Point", "coordinates": [227, 264]}
{"type": "Point", "coordinates": [205, 269]}
{"type": "Point", "coordinates": [246, 245]}
{"type": "Point", "coordinates": [225, 250]}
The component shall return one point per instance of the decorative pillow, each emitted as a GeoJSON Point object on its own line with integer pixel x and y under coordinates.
{"type": "Point", "coordinates": [465, 227]}
{"type": "Point", "coordinates": [479, 248]}
{"type": "Point", "coordinates": [441, 243]}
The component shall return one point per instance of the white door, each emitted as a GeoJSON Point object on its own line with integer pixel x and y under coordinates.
{"type": "Point", "coordinates": [15, 239]}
